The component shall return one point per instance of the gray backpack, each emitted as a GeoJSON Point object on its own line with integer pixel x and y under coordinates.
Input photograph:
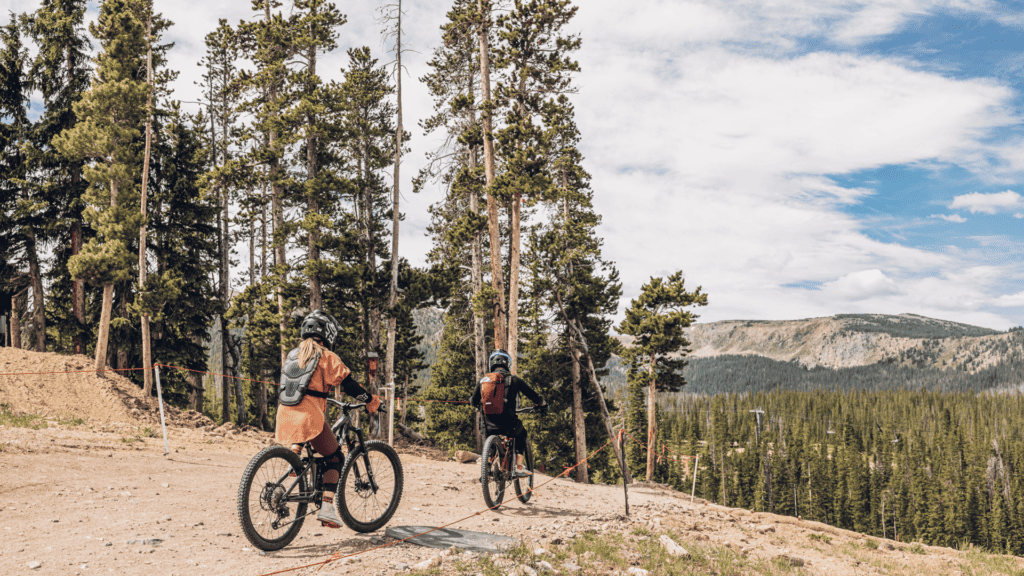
{"type": "Point", "coordinates": [295, 380]}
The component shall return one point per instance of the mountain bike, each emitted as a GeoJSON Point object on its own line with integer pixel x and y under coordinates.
{"type": "Point", "coordinates": [279, 486]}
{"type": "Point", "coordinates": [497, 466]}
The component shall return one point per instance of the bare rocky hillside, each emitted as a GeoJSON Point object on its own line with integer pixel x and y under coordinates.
{"type": "Point", "coordinates": [857, 340]}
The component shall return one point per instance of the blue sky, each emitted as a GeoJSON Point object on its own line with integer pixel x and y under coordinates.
{"type": "Point", "coordinates": [795, 158]}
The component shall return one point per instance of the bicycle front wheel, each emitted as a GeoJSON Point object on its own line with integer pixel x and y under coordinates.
{"type": "Point", "coordinates": [492, 471]}
{"type": "Point", "coordinates": [370, 487]}
{"type": "Point", "coordinates": [524, 486]}
{"type": "Point", "coordinates": [270, 520]}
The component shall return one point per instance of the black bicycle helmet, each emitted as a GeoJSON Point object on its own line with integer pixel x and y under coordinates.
{"type": "Point", "coordinates": [322, 326]}
{"type": "Point", "coordinates": [499, 358]}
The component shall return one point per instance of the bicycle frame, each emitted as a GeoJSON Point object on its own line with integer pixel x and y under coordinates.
{"type": "Point", "coordinates": [508, 444]}
{"type": "Point", "coordinates": [351, 435]}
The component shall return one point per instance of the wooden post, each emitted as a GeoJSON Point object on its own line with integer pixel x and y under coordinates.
{"type": "Point", "coordinates": [696, 466]}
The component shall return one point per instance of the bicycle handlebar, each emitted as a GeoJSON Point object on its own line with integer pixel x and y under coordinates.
{"type": "Point", "coordinates": [345, 406]}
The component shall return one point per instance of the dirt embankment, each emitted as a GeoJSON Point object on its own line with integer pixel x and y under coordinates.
{"type": "Point", "coordinates": [57, 386]}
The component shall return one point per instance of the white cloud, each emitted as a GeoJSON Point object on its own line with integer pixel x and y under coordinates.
{"type": "Point", "coordinates": [951, 218]}
{"type": "Point", "coordinates": [1018, 215]}
{"type": "Point", "coordinates": [1010, 300]}
{"type": "Point", "coordinates": [713, 137]}
{"type": "Point", "coordinates": [988, 203]}
{"type": "Point", "coordinates": [862, 285]}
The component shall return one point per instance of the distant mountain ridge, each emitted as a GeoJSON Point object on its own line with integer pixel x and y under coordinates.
{"type": "Point", "coordinates": [849, 340]}
{"type": "Point", "coordinates": [864, 351]}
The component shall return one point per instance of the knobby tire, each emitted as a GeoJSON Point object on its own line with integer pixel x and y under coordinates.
{"type": "Point", "coordinates": [524, 486]}
{"type": "Point", "coordinates": [362, 509]}
{"type": "Point", "coordinates": [492, 474]}
{"type": "Point", "coordinates": [262, 474]}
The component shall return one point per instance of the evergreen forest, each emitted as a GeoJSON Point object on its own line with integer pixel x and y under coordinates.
{"type": "Point", "coordinates": [942, 468]}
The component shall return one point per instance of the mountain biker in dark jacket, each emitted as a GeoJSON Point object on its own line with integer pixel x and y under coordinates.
{"type": "Point", "coordinates": [507, 423]}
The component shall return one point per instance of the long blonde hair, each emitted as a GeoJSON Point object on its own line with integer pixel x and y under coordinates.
{"type": "Point", "coordinates": [307, 350]}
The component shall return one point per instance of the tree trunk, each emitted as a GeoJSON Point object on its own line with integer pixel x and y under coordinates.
{"type": "Point", "coordinates": [476, 278]}
{"type": "Point", "coordinates": [77, 286]}
{"type": "Point", "coordinates": [225, 382]}
{"type": "Point", "coordinates": [147, 352]}
{"type": "Point", "coordinates": [107, 307]}
{"type": "Point", "coordinates": [195, 383]}
{"type": "Point", "coordinates": [405, 398]}
{"type": "Point", "coordinates": [241, 414]}
{"type": "Point", "coordinates": [373, 313]}
{"type": "Point", "coordinates": [38, 304]}
{"type": "Point", "coordinates": [513, 287]}
{"type": "Point", "coordinates": [579, 417]}
{"type": "Point", "coordinates": [497, 278]}
{"type": "Point", "coordinates": [316, 299]}
{"type": "Point", "coordinates": [277, 208]}
{"type": "Point", "coordinates": [252, 244]}
{"type": "Point", "coordinates": [122, 312]}
{"type": "Point", "coordinates": [393, 298]}
{"type": "Point", "coordinates": [104, 335]}
{"type": "Point", "coordinates": [227, 366]}
{"type": "Point", "coordinates": [16, 307]}
{"type": "Point", "coordinates": [576, 327]}
{"type": "Point", "coordinates": [652, 423]}
{"type": "Point", "coordinates": [261, 404]}
{"type": "Point", "coordinates": [263, 231]}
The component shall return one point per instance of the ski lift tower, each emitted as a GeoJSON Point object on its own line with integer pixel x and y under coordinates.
{"type": "Point", "coordinates": [758, 413]}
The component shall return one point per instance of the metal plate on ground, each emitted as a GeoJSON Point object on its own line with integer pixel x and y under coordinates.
{"type": "Point", "coordinates": [448, 537]}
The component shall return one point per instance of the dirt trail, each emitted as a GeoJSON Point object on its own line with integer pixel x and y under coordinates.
{"type": "Point", "coordinates": [101, 498]}
{"type": "Point", "coordinates": [83, 501]}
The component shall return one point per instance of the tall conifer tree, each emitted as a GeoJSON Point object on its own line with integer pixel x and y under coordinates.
{"type": "Point", "coordinates": [60, 71]}
{"type": "Point", "coordinates": [110, 115]}
{"type": "Point", "coordinates": [534, 56]}
{"type": "Point", "coordinates": [656, 320]}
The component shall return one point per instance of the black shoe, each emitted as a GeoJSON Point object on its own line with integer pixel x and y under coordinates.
{"type": "Point", "coordinates": [327, 516]}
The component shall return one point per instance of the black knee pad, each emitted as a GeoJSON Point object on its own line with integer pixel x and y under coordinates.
{"type": "Point", "coordinates": [336, 454]}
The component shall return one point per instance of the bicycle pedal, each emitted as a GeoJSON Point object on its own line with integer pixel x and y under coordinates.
{"type": "Point", "coordinates": [329, 524]}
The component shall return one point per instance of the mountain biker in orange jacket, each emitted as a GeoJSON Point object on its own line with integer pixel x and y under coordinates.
{"type": "Point", "coordinates": [507, 423]}
{"type": "Point", "coordinates": [306, 421]}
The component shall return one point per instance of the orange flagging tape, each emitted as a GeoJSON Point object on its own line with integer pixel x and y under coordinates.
{"type": "Point", "coordinates": [644, 446]}
{"type": "Point", "coordinates": [336, 557]}
{"type": "Point", "coordinates": [215, 374]}
{"type": "Point", "coordinates": [71, 372]}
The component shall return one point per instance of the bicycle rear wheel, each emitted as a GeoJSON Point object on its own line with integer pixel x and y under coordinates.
{"type": "Point", "coordinates": [361, 507]}
{"type": "Point", "coordinates": [269, 521]}
{"type": "Point", "coordinates": [492, 473]}
{"type": "Point", "coordinates": [524, 486]}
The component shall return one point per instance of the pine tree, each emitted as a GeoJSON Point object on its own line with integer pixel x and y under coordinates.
{"type": "Point", "coordinates": [484, 24]}
{"type": "Point", "coordinates": [110, 114]}
{"type": "Point", "coordinates": [60, 72]}
{"type": "Point", "coordinates": [458, 164]}
{"type": "Point", "coordinates": [656, 320]}
{"type": "Point", "coordinates": [450, 425]}
{"type": "Point", "coordinates": [368, 122]}
{"type": "Point", "coordinates": [23, 208]}
{"type": "Point", "coordinates": [534, 56]}
{"type": "Point", "coordinates": [636, 421]}
{"type": "Point", "coordinates": [266, 43]}
{"type": "Point", "coordinates": [394, 13]}
{"type": "Point", "coordinates": [565, 260]}
{"type": "Point", "coordinates": [185, 251]}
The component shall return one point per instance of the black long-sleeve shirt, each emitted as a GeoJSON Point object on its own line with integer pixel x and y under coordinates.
{"type": "Point", "coordinates": [514, 385]}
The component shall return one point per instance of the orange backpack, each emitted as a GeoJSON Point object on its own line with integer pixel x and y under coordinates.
{"type": "Point", "coordinates": [492, 393]}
